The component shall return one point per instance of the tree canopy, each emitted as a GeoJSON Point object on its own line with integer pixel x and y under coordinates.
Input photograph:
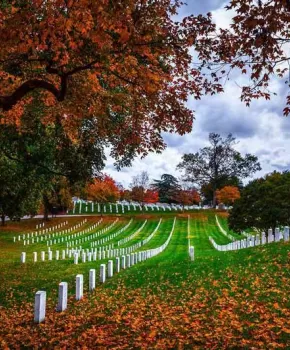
{"type": "Point", "coordinates": [228, 195]}
{"type": "Point", "coordinates": [207, 189]}
{"type": "Point", "coordinates": [20, 189]}
{"type": "Point", "coordinates": [187, 197]}
{"type": "Point", "coordinates": [256, 44]}
{"type": "Point", "coordinates": [125, 66]}
{"type": "Point", "coordinates": [103, 190]}
{"type": "Point", "coordinates": [167, 188]}
{"type": "Point", "coordinates": [264, 204]}
{"type": "Point", "coordinates": [47, 156]}
{"type": "Point", "coordinates": [214, 163]}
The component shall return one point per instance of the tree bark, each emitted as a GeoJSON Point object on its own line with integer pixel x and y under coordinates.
{"type": "Point", "coordinates": [214, 197]}
{"type": "Point", "coordinates": [46, 208]}
{"type": "Point", "coordinates": [2, 219]}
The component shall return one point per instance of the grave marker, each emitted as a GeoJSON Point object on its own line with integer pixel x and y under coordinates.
{"type": "Point", "coordinates": [79, 286]}
{"type": "Point", "coordinates": [110, 268]}
{"type": "Point", "coordinates": [39, 306]}
{"type": "Point", "coordinates": [62, 297]}
{"type": "Point", "coordinates": [92, 279]}
{"type": "Point", "coordinates": [102, 273]}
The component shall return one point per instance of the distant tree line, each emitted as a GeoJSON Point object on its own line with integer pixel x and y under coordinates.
{"type": "Point", "coordinates": [41, 168]}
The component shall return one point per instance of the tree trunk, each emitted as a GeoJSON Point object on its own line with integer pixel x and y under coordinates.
{"type": "Point", "coordinates": [46, 208]}
{"type": "Point", "coordinates": [214, 196]}
{"type": "Point", "coordinates": [2, 219]}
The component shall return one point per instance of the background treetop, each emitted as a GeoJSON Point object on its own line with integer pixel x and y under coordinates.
{"type": "Point", "coordinates": [167, 188]}
{"type": "Point", "coordinates": [217, 162]}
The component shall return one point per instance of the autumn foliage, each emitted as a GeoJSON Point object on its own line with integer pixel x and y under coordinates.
{"type": "Point", "coordinates": [255, 44]}
{"type": "Point", "coordinates": [125, 66]}
{"type": "Point", "coordinates": [187, 197]}
{"type": "Point", "coordinates": [103, 190]}
{"type": "Point", "coordinates": [151, 196]}
{"type": "Point", "coordinates": [228, 195]}
{"type": "Point", "coordinates": [125, 195]}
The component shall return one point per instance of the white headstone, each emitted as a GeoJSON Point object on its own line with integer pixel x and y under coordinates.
{"type": "Point", "coordinates": [286, 233]}
{"type": "Point", "coordinates": [23, 257]}
{"type": "Point", "coordinates": [39, 306]}
{"type": "Point", "coordinates": [132, 261]}
{"type": "Point", "coordinates": [110, 268]}
{"type": "Point", "coordinates": [92, 279]}
{"type": "Point", "coordinates": [270, 236]}
{"type": "Point", "coordinates": [62, 296]}
{"type": "Point", "coordinates": [277, 235]}
{"type": "Point", "coordinates": [191, 252]}
{"type": "Point", "coordinates": [128, 260]}
{"type": "Point", "coordinates": [117, 265]}
{"type": "Point", "coordinates": [123, 262]}
{"type": "Point", "coordinates": [79, 286]}
{"type": "Point", "coordinates": [102, 273]}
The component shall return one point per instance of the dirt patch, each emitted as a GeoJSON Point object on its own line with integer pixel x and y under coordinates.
{"type": "Point", "coordinates": [199, 216]}
{"type": "Point", "coordinates": [147, 216]}
{"type": "Point", "coordinates": [223, 214]}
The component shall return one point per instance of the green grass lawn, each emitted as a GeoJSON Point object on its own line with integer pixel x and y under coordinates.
{"type": "Point", "coordinates": [237, 299]}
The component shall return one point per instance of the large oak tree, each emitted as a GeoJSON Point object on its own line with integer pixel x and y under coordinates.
{"type": "Point", "coordinates": [123, 65]}
{"type": "Point", "coordinates": [216, 162]}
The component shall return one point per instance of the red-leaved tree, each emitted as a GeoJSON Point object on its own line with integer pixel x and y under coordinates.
{"type": "Point", "coordinates": [228, 195]}
{"type": "Point", "coordinates": [103, 190]}
{"type": "Point", "coordinates": [187, 197]}
{"type": "Point", "coordinates": [151, 196]}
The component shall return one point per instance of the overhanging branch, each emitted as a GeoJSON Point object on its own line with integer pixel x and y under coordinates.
{"type": "Point", "coordinates": [7, 102]}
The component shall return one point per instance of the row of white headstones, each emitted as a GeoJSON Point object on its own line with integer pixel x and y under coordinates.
{"type": "Point", "coordinates": [79, 237]}
{"type": "Point", "coordinates": [109, 251]}
{"type": "Point", "coordinates": [101, 253]}
{"type": "Point", "coordinates": [58, 237]}
{"type": "Point", "coordinates": [44, 235]}
{"type": "Point", "coordinates": [125, 262]}
{"type": "Point", "coordinates": [129, 238]}
{"type": "Point", "coordinates": [123, 207]}
{"type": "Point", "coordinates": [255, 240]}
{"type": "Point", "coordinates": [66, 238]}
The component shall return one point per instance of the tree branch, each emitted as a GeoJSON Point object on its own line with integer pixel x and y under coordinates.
{"type": "Point", "coordinates": [9, 156]}
{"type": "Point", "coordinates": [7, 102]}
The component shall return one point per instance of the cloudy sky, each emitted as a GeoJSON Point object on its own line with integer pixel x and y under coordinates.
{"type": "Point", "coordinates": [261, 129]}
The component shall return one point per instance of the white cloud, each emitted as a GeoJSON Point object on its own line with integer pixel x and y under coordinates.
{"type": "Point", "coordinates": [221, 17]}
{"type": "Point", "coordinates": [260, 129]}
